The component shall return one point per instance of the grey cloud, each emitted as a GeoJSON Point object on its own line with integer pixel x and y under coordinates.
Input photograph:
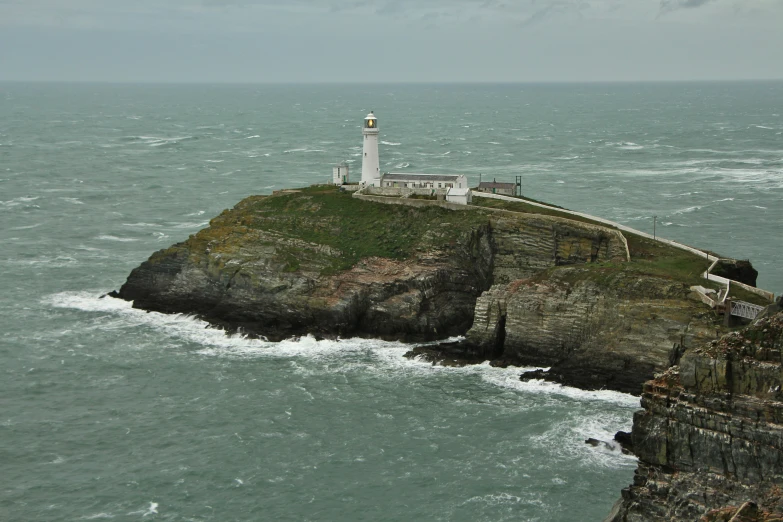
{"type": "Point", "coordinates": [673, 5]}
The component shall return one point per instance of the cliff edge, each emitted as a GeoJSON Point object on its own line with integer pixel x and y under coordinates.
{"type": "Point", "coordinates": [710, 436]}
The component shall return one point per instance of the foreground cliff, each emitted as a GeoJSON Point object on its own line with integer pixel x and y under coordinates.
{"type": "Point", "coordinates": [601, 309]}
{"type": "Point", "coordinates": [710, 437]}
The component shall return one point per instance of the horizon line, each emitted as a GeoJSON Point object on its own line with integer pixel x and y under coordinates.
{"type": "Point", "coordinates": [381, 83]}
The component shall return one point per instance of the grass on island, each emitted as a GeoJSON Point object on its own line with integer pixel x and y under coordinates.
{"type": "Point", "coordinates": [324, 215]}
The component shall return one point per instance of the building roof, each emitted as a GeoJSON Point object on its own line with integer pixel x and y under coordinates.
{"type": "Point", "coordinates": [454, 191]}
{"type": "Point", "coordinates": [496, 185]}
{"type": "Point", "coordinates": [398, 176]}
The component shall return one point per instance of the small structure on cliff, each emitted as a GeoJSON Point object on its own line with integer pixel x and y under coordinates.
{"type": "Point", "coordinates": [461, 196]}
{"type": "Point", "coordinates": [340, 174]}
{"type": "Point", "coordinates": [496, 187]}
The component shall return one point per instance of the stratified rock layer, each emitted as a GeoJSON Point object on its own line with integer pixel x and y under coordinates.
{"type": "Point", "coordinates": [252, 269]}
{"type": "Point", "coordinates": [614, 334]}
{"type": "Point", "coordinates": [710, 437]}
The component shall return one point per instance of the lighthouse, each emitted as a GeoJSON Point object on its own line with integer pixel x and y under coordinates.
{"type": "Point", "coordinates": [371, 169]}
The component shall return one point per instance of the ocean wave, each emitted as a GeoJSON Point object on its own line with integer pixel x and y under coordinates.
{"type": "Point", "coordinates": [23, 200]}
{"type": "Point", "coordinates": [45, 261]}
{"type": "Point", "coordinates": [141, 225]}
{"type": "Point", "coordinates": [116, 238]}
{"type": "Point", "coordinates": [390, 143]}
{"type": "Point", "coordinates": [155, 141]}
{"type": "Point", "coordinates": [687, 210]}
{"type": "Point", "coordinates": [26, 227]}
{"type": "Point", "coordinates": [569, 437]}
{"type": "Point", "coordinates": [191, 225]}
{"type": "Point", "coordinates": [376, 356]}
{"type": "Point", "coordinates": [290, 151]}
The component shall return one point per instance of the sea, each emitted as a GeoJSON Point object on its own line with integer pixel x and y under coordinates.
{"type": "Point", "coordinates": [112, 413]}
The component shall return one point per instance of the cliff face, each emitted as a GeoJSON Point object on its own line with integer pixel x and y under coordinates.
{"type": "Point", "coordinates": [614, 334]}
{"type": "Point", "coordinates": [710, 437]}
{"type": "Point", "coordinates": [302, 262]}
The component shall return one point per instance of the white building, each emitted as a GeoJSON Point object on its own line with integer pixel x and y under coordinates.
{"type": "Point", "coordinates": [340, 174]}
{"type": "Point", "coordinates": [423, 184]}
{"type": "Point", "coordinates": [425, 181]}
{"type": "Point", "coordinates": [371, 168]}
{"type": "Point", "coordinates": [461, 196]}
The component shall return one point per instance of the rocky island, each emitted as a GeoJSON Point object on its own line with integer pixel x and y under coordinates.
{"type": "Point", "coordinates": [600, 307]}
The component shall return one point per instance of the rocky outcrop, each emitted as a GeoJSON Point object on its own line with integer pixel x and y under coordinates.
{"type": "Point", "coordinates": [268, 265]}
{"type": "Point", "coordinates": [736, 270]}
{"type": "Point", "coordinates": [710, 437]}
{"type": "Point", "coordinates": [593, 334]}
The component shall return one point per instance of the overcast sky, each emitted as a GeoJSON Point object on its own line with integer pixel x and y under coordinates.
{"type": "Point", "coordinates": [390, 40]}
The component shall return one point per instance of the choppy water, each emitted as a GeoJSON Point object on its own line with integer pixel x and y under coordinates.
{"type": "Point", "coordinates": [109, 412]}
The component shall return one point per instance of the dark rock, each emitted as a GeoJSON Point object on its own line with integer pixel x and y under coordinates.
{"type": "Point", "coordinates": [624, 439]}
{"type": "Point", "coordinates": [535, 375]}
{"type": "Point", "coordinates": [710, 436]}
{"type": "Point", "coordinates": [736, 270]}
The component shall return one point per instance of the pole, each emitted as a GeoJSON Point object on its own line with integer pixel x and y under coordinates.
{"type": "Point", "coordinates": [655, 218]}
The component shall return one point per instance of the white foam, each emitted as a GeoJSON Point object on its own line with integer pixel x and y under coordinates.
{"type": "Point", "coordinates": [155, 141]}
{"type": "Point", "coordinates": [381, 357]}
{"type": "Point", "coordinates": [192, 225]}
{"type": "Point", "coordinates": [687, 210]}
{"type": "Point", "coordinates": [390, 143]}
{"type": "Point", "coordinates": [116, 238]}
{"type": "Point", "coordinates": [495, 499]}
{"type": "Point", "coordinates": [151, 510]}
{"type": "Point", "coordinates": [97, 516]}
{"type": "Point", "coordinates": [19, 201]}
{"type": "Point", "coordinates": [74, 201]}
{"type": "Point", "coordinates": [27, 227]}
{"type": "Point", "coordinates": [140, 225]}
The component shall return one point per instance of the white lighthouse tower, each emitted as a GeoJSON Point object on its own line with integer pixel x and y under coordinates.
{"type": "Point", "coordinates": [371, 168]}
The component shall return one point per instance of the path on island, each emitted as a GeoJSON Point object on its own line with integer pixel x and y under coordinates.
{"type": "Point", "coordinates": [742, 308]}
